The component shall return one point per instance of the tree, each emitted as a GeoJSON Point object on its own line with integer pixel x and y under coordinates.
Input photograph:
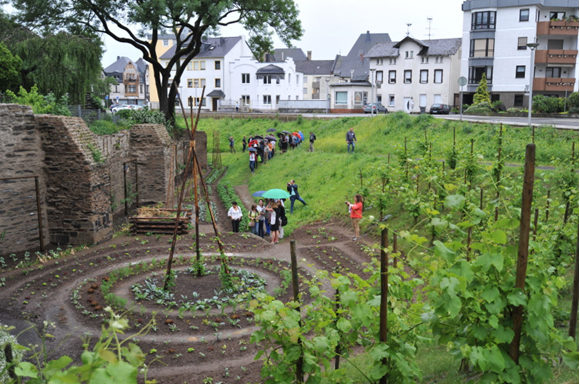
{"type": "Point", "coordinates": [188, 20]}
{"type": "Point", "coordinates": [9, 69]}
{"type": "Point", "coordinates": [482, 94]}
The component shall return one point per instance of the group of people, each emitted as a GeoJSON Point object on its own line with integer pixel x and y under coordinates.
{"type": "Point", "coordinates": [266, 218]}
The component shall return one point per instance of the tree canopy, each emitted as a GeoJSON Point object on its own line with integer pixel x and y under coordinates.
{"type": "Point", "coordinates": [9, 69]}
{"type": "Point", "coordinates": [140, 24]}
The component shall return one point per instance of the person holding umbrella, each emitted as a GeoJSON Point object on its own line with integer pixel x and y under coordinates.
{"type": "Point", "coordinates": [292, 188]}
{"type": "Point", "coordinates": [253, 152]}
{"type": "Point", "coordinates": [274, 221]}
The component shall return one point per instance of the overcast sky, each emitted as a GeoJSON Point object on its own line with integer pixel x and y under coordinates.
{"type": "Point", "coordinates": [332, 26]}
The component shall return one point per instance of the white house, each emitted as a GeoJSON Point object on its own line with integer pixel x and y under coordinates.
{"type": "Point", "coordinates": [132, 81]}
{"type": "Point", "coordinates": [261, 86]}
{"type": "Point", "coordinates": [411, 75]}
{"type": "Point", "coordinates": [495, 38]}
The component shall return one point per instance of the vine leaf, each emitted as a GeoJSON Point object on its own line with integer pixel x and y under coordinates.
{"type": "Point", "coordinates": [517, 298]}
{"type": "Point", "coordinates": [498, 236]}
{"type": "Point", "coordinates": [455, 202]}
{"type": "Point", "coordinates": [442, 251]}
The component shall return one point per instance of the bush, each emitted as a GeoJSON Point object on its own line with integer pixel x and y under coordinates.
{"type": "Point", "coordinates": [147, 116]}
{"type": "Point", "coordinates": [40, 104]}
{"type": "Point", "coordinates": [547, 105]}
{"type": "Point", "coordinates": [573, 102]}
{"type": "Point", "coordinates": [514, 110]}
{"type": "Point", "coordinates": [481, 108]}
{"type": "Point", "coordinates": [498, 106]}
{"type": "Point", "coordinates": [105, 127]}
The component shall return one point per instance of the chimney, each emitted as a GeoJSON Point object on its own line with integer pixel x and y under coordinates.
{"type": "Point", "coordinates": [309, 54]}
{"type": "Point", "coordinates": [368, 37]}
{"type": "Point", "coordinates": [362, 57]}
{"type": "Point", "coordinates": [282, 56]}
{"type": "Point", "coordinates": [118, 57]}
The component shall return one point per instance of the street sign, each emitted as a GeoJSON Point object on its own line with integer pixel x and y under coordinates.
{"type": "Point", "coordinates": [462, 81]}
{"type": "Point", "coordinates": [106, 97]}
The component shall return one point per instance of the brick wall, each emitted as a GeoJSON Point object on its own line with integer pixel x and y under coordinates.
{"type": "Point", "coordinates": [20, 155]}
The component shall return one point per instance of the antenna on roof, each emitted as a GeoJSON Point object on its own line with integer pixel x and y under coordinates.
{"type": "Point", "coordinates": [408, 25]}
{"type": "Point", "coordinates": [429, 20]}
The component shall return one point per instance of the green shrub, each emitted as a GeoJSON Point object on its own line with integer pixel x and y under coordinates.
{"type": "Point", "coordinates": [124, 114]}
{"type": "Point", "coordinates": [514, 110]}
{"type": "Point", "coordinates": [547, 104]}
{"type": "Point", "coordinates": [498, 106]}
{"type": "Point", "coordinates": [573, 102]}
{"type": "Point", "coordinates": [481, 108]}
{"type": "Point", "coordinates": [105, 127]}
{"type": "Point", "coordinates": [40, 104]}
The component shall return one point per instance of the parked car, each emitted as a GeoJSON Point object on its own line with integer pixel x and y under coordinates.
{"type": "Point", "coordinates": [118, 107]}
{"type": "Point", "coordinates": [136, 106]}
{"type": "Point", "coordinates": [375, 108]}
{"type": "Point", "coordinates": [439, 109]}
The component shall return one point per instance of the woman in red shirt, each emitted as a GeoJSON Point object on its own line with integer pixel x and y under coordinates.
{"type": "Point", "coordinates": [356, 214]}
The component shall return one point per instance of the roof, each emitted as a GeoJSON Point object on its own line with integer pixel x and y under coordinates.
{"type": "Point", "coordinates": [435, 47]}
{"type": "Point", "coordinates": [216, 94]}
{"type": "Point", "coordinates": [211, 47]}
{"type": "Point", "coordinates": [118, 67]}
{"type": "Point", "coordinates": [351, 84]}
{"type": "Point", "coordinates": [270, 70]}
{"type": "Point", "coordinates": [314, 67]}
{"type": "Point", "coordinates": [281, 54]}
{"type": "Point", "coordinates": [356, 60]}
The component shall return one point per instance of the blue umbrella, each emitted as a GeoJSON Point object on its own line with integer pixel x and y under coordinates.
{"type": "Point", "coordinates": [258, 193]}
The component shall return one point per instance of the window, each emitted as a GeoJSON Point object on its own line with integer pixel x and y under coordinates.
{"type": "Point", "coordinates": [132, 89]}
{"type": "Point", "coordinates": [520, 72]}
{"type": "Point", "coordinates": [379, 62]}
{"type": "Point", "coordinates": [267, 99]}
{"type": "Point", "coordinates": [297, 80]}
{"type": "Point", "coordinates": [218, 83]}
{"type": "Point", "coordinates": [438, 76]}
{"type": "Point", "coordinates": [165, 43]}
{"type": "Point", "coordinates": [379, 77]}
{"type": "Point", "coordinates": [553, 72]}
{"type": "Point", "coordinates": [305, 90]}
{"type": "Point", "coordinates": [392, 77]}
{"type": "Point", "coordinates": [437, 99]}
{"type": "Point", "coordinates": [341, 98]}
{"type": "Point", "coordinates": [267, 79]}
{"type": "Point", "coordinates": [202, 65]}
{"type": "Point", "coordinates": [483, 20]}
{"type": "Point", "coordinates": [555, 44]}
{"type": "Point", "coordinates": [522, 41]}
{"type": "Point", "coordinates": [116, 88]}
{"type": "Point", "coordinates": [481, 48]}
{"type": "Point", "coordinates": [358, 98]}
{"type": "Point", "coordinates": [393, 61]}
{"type": "Point", "coordinates": [289, 79]}
{"type": "Point", "coordinates": [475, 74]}
{"type": "Point", "coordinates": [408, 54]}
{"type": "Point", "coordinates": [197, 101]}
{"type": "Point", "coordinates": [197, 83]}
{"type": "Point", "coordinates": [190, 66]}
{"type": "Point", "coordinates": [189, 83]}
{"type": "Point", "coordinates": [424, 76]}
{"type": "Point", "coordinates": [524, 15]}
{"type": "Point", "coordinates": [305, 79]}
{"type": "Point", "coordinates": [246, 100]}
{"type": "Point", "coordinates": [245, 78]}
{"type": "Point", "coordinates": [518, 100]}
{"type": "Point", "coordinates": [557, 15]}
{"type": "Point", "coordinates": [277, 79]}
{"type": "Point", "coordinates": [425, 59]}
{"type": "Point", "coordinates": [217, 65]}
{"type": "Point", "coordinates": [391, 100]}
{"type": "Point", "coordinates": [277, 99]}
{"type": "Point", "coordinates": [408, 76]}
{"type": "Point", "coordinates": [439, 59]}
{"type": "Point", "coordinates": [196, 66]}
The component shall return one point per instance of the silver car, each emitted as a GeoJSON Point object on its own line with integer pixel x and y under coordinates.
{"type": "Point", "coordinates": [375, 108]}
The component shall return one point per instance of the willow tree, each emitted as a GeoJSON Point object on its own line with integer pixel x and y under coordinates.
{"type": "Point", "coordinates": [141, 23]}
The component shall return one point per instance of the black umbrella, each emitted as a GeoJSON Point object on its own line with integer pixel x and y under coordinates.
{"type": "Point", "coordinates": [287, 132]}
{"type": "Point", "coordinates": [252, 149]}
{"type": "Point", "coordinates": [270, 137]}
{"type": "Point", "coordinates": [271, 130]}
{"type": "Point", "coordinates": [258, 137]}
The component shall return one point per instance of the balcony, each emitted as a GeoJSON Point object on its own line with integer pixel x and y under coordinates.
{"type": "Point", "coordinates": [316, 95]}
{"type": "Point", "coordinates": [315, 84]}
{"type": "Point", "coordinates": [554, 84]}
{"type": "Point", "coordinates": [556, 56]}
{"type": "Point", "coordinates": [557, 27]}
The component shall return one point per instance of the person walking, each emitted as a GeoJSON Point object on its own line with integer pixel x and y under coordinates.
{"type": "Point", "coordinates": [292, 188]}
{"type": "Point", "coordinates": [274, 222]}
{"type": "Point", "coordinates": [232, 149]}
{"type": "Point", "coordinates": [235, 214]}
{"type": "Point", "coordinates": [267, 216]}
{"type": "Point", "coordinates": [312, 139]}
{"type": "Point", "coordinates": [266, 155]}
{"type": "Point", "coordinates": [356, 210]}
{"type": "Point", "coordinates": [237, 106]}
{"type": "Point", "coordinates": [252, 161]}
{"type": "Point", "coordinates": [244, 144]}
{"type": "Point", "coordinates": [350, 141]}
{"type": "Point", "coordinates": [253, 215]}
{"type": "Point", "coordinates": [262, 218]}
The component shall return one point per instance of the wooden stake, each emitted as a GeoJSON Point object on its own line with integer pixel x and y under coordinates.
{"type": "Point", "coordinates": [39, 213]}
{"type": "Point", "coordinates": [125, 189]}
{"type": "Point", "coordinates": [522, 262]}
{"type": "Point", "coordinates": [536, 214]}
{"type": "Point", "coordinates": [395, 259]}
{"type": "Point", "coordinates": [499, 168]}
{"type": "Point", "coordinates": [136, 181]}
{"type": "Point", "coordinates": [548, 206]}
{"type": "Point", "coordinates": [574, 311]}
{"type": "Point", "coordinates": [496, 214]}
{"type": "Point", "coordinates": [337, 308]}
{"type": "Point", "coordinates": [295, 287]}
{"type": "Point", "coordinates": [383, 327]}
{"type": "Point", "coordinates": [481, 198]}
{"type": "Point", "coordinates": [469, 242]}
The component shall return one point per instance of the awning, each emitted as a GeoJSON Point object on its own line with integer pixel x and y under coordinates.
{"type": "Point", "coordinates": [216, 94]}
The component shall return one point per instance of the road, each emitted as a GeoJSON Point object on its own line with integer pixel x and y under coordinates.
{"type": "Point", "coordinates": [561, 123]}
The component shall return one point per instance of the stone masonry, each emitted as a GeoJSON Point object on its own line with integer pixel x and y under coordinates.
{"type": "Point", "coordinates": [85, 179]}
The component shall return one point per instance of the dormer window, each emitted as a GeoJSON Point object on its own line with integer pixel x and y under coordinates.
{"type": "Point", "coordinates": [165, 43]}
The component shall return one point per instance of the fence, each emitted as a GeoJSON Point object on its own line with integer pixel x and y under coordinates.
{"type": "Point", "coordinates": [89, 115]}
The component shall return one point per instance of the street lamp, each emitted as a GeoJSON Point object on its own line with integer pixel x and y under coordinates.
{"type": "Point", "coordinates": [327, 94]}
{"type": "Point", "coordinates": [372, 88]}
{"type": "Point", "coordinates": [532, 47]}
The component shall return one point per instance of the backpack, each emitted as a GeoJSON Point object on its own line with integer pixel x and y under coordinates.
{"type": "Point", "coordinates": [283, 221]}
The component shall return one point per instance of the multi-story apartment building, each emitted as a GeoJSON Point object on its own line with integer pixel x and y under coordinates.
{"type": "Point", "coordinates": [164, 43]}
{"type": "Point", "coordinates": [496, 35]}
{"type": "Point", "coordinates": [411, 75]}
{"type": "Point", "coordinates": [132, 81]}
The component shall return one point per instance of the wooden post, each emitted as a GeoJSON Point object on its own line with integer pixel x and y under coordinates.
{"type": "Point", "coordinates": [125, 185]}
{"type": "Point", "coordinates": [136, 181]}
{"type": "Point", "coordinates": [536, 214]}
{"type": "Point", "coordinates": [39, 213]}
{"type": "Point", "coordinates": [496, 214]}
{"type": "Point", "coordinates": [534, 134]}
{"type": "Point", "coordinates": [574, 312]}
{"type": "Point", "coordinates": [388, 159]}
{"type": "Point", "coordinates": [337, 350]}
{"type": "Point", "coordinates": [9, 360]}
{"type": "Point", "coordinates": [383, 327]}
{"type": "Point", "coordinates": [406, 160]}
{"type": "Point", "coordinates": [395, 259]}
{"type": "Point", "coordinates": [481, 198]}
{"type": "Point", "coordinates": [295, 284]}
{"type": "Point", "coordinates": [469, 230]}
{"type": "Point", "coordinates": [522, 262]}
{"type": "Point", "coordinates": [499, 168]}
{"type": "Point", "coordinates": [548, 206]}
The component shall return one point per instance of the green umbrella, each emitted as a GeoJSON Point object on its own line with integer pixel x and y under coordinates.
{"type": "Point", "coordinates": [276, 193]}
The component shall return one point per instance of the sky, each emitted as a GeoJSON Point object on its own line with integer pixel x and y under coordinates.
{"type": "Point", "coordinates": [332, 26]}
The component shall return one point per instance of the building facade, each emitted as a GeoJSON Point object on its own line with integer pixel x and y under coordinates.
{"type": "Point", "coordinates": [496, 35]}
{"type": "Point", "coordinates": [132, 81]}
{"type": "Point", "coordinates": [411, 75]}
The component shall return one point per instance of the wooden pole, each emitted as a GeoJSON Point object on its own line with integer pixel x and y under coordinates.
{"type": "Point", "coordinates": [295, 287]}
{"type": "Point", "coordinates": [9, 361]}
{"type": "Point", "coordinates": [39, 213]}
{"type": "Point", "coordinates": [481, 198]}
{"type": "Point", "coordinates": [125, 185]}
{"type": "Point", "coordinates": [383, 327]}
{"type": "Point", "coordinates": [523, 249]}
{"type": "Point", "coordinates": [469, 230]}
{"type": "Point", "coordinates": [574, 311]}
{"type": "Point", "coordinates": [499, 168]}
{"type": "Point", "coordinates": [136, 181]}
{"type": "Point", "coordinates": [395, 259]}
{"type": "Point", "coordinates": [337, 308]}
{"type": "Point", "coordinates": [548, 207]}
{"type": "Point", "coordinates": [406, 160]}
{"type": "Point", "coordinates": [536, 214]}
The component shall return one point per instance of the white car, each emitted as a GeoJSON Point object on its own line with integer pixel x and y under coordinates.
{"type": "Point", "coordinates": [136, 106]}
{"type": "Point", "coordinates": [120, 107]}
